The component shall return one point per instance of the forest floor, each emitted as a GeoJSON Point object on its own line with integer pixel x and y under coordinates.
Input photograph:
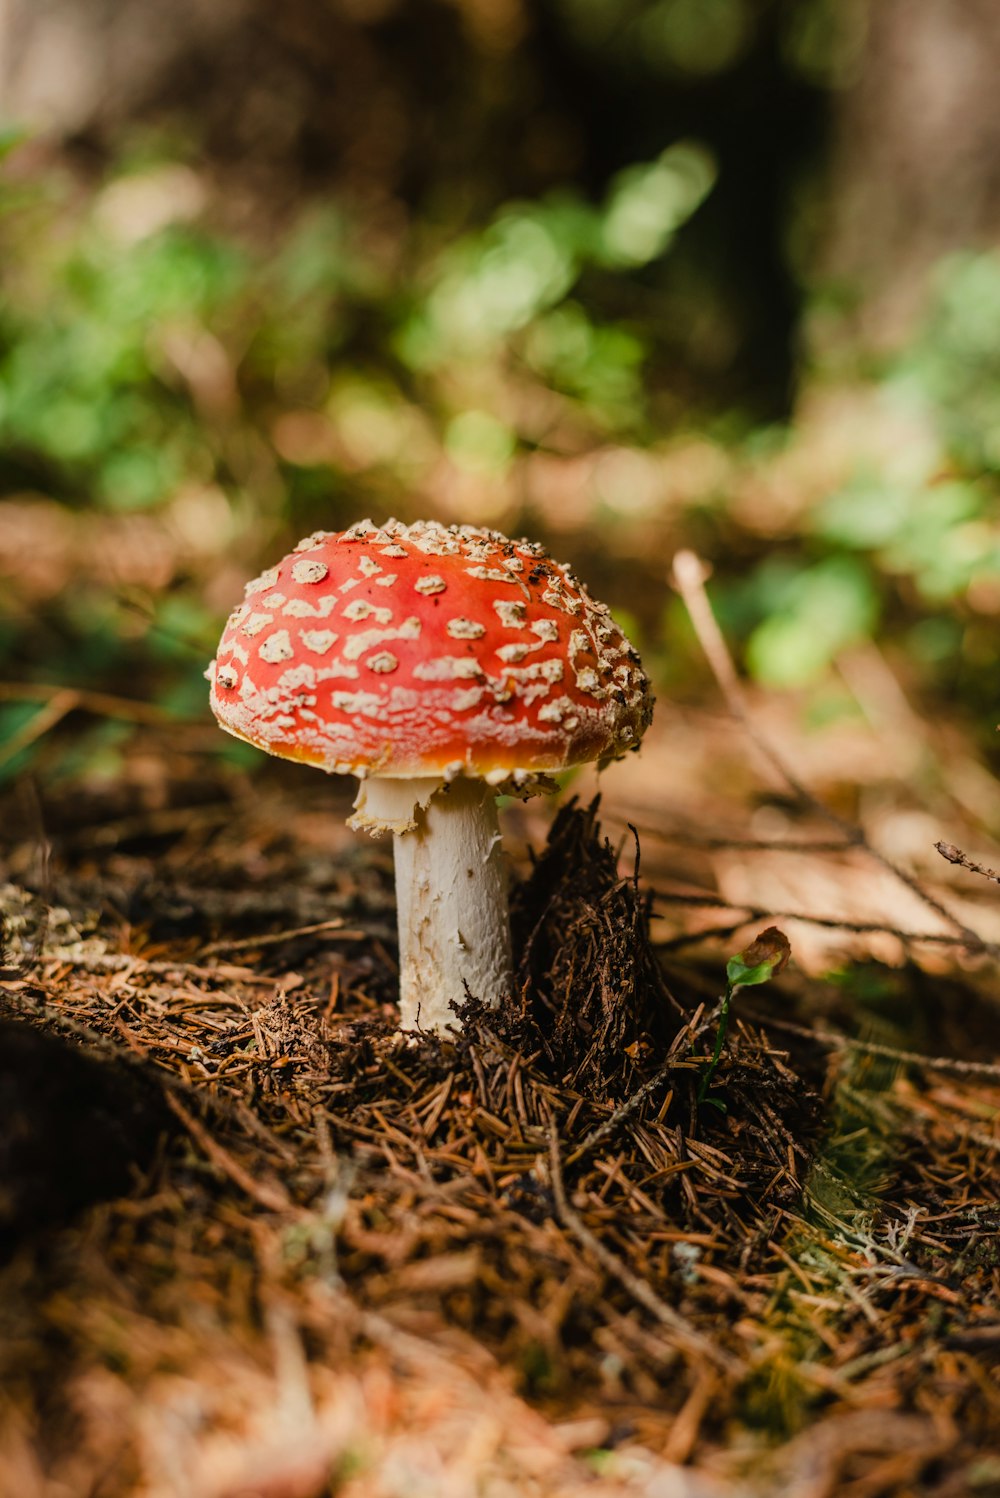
{"type": "Point", "coordinates": [256, 1244]}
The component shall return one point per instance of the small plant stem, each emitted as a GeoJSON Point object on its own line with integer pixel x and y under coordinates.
{"type": "Point", "coordinates": [720, 1040]}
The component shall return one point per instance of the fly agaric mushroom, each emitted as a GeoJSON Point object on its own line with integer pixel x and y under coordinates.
{"type": "Point", "coordinates": [440, 665]}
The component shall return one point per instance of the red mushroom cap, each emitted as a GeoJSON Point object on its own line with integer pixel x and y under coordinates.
{"type": "Point", "coordinates": [427, 649]}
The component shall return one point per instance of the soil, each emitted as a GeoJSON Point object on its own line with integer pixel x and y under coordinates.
{"type": "Point", "coordinates": [256, 1242]}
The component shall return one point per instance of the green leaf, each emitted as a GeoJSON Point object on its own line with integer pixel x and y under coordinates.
{"type": "Point", "coordinates": [741, 976]}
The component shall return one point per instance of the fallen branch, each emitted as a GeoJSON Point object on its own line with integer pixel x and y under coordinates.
{"type": "Point", "coordinates": [57, 707]}
{"type": "Point", "coordinates": [691, 838]}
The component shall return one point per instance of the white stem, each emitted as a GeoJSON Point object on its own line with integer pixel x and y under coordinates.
{"type": "Point", "coordinates": [451, 894]}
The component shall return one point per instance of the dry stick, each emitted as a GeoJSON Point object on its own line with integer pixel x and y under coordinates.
{"type": "Point", "coordinates": [32, 808]}
{"type": "Point", "coordinates": [688, 839]}
{"type": "Point", "coordinates": [148, 823]}
{"type": "Point", "coordinates": [835, 923]}
{"type": "Point", "coordinates": [269, 1195]}
{"type": "Point", "coordinates": [955, 855]}
{"type": "Point", "coordinates": [55, 709]}
{"type": "Point", "coordinates": [684, 1333]}
{"type": "Point", "coordinates": [688, 577]}
{"type": "Point", "coordinates": [274, 938]}
{"type": "Point", "coordinates": [123, 962]}
{"type": "Point", "coordinates": [830, 1038]}
{"type": "Point", "coordinates": [59, 702]}
{"type": "Point", "coordinates": [618, 1117]}
{"type": "Point", "coordinates": [101, 704]}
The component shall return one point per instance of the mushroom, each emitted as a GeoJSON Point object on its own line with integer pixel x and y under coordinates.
{"type": "Point", "coordinates": [441, 665]}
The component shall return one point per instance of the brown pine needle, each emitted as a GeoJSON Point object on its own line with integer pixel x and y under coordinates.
{"type": "Point", "coordinates": [682, 1331]}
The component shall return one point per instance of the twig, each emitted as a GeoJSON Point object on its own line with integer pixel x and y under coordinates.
{"type": "Point", "coordinates": [830, 1038]}
{"type": "Point", "coordinates": [615, 1120]}
{"type": "Point", "coordinates": [101, 704]}
{"type": "Point", "coordinates": [55, 709]}
{"type": "Point", "coordinates": [833, 922]}
{"type": "Point", "coordinates": [688, 577]}
{"type": "Point", "coordinates": [684, 1333]}
{"type": "Point", "coordinates": [981, 1339]}
{"type": "Point", "coordinates": [32, 809]}
{"type": "Point", "coordinates": [955, 855]}
{"type": "Point", "coordinates": [124, 962]}
{"type": "Point", "coordinates": [150, 824]}
{"type": "Point", "coordinates": [692, 938]}
{"type": "Point", "coordinates": [267, 1194]}
{"type": "Point", "coordinates": [274, 938]}
{"type": "Point", "coordinates": [693, 839]}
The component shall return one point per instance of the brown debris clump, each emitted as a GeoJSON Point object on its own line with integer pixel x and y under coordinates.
{"type": "Point", "coordinates": [593, 996]}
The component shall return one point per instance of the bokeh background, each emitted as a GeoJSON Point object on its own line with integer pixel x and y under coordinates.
{"type": "Point", "coordinates": [625, 275]}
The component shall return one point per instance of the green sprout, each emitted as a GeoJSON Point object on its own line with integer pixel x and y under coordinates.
{"type": "Point", "coordinates": [762, 960]}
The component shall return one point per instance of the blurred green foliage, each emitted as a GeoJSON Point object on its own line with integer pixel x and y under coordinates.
{"type": "Point", "coordinates": [955, 364]}
{"type": "Point", "coordinates": [98, 343]}
{"type": "Point", "coordinates": [83, 397]}
{"type": "Point", "coordinates": [909, 546]}
{"type": "Point", "coordinates": [149, 361]}
{"type": "Point", "coordinates": [172, 369]}
{"type": "Point", "coordinates": [811, 613]}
